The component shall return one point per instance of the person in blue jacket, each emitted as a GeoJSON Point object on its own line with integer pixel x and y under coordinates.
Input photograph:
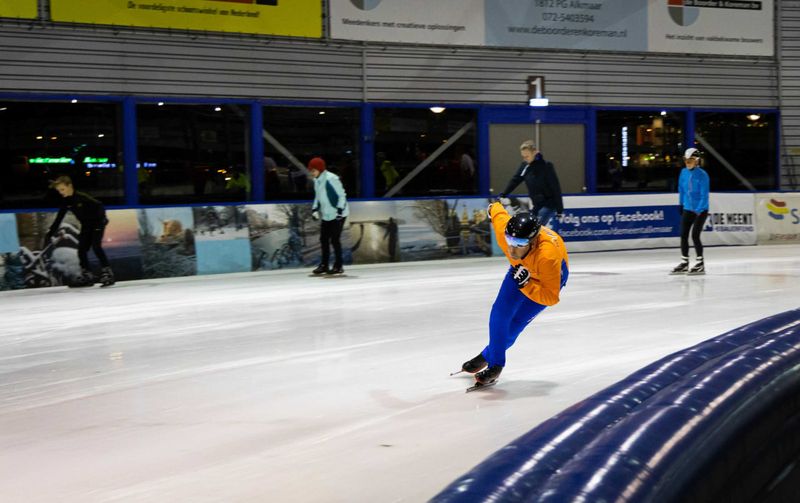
{"type": "Point", "coordinates": [330, 205]}
{"type": "Point", "coordinates": [693, 188]}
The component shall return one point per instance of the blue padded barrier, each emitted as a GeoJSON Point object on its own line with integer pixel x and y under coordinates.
{"type": "Point", "coordinates": [643, 438]}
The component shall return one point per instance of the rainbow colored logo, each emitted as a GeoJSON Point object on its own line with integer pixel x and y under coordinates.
{"type": "Point", "coordinates": [777, 209]}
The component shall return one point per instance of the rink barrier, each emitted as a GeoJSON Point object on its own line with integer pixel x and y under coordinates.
{"type": "Point", "coordinates": [676, 430]}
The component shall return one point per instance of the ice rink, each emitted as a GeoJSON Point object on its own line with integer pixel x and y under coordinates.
{"type": "Point", "coordinates": [288, 388]}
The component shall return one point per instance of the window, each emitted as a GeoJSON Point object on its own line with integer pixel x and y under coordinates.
{"type": "Point", "coordinates": [745, 141]}
{"type": "Point", "coordinates": [40, 141]}
{"type": "Point", "coordinates": [295, 134]}
{"type": "Point", "coordinates": [443, 141]}
{"type": "Point", "coordinates": [192, 153]}
{"type": "Point", "coordinates": [639, 151]}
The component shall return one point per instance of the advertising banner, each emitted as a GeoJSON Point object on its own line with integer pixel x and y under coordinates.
{"type": "Point", "coordinates": [608, 25]}
{"type": "Point", "coordinates": [736, 27]}
{"type": "Point", "coordinates": [300, 18]}
{"type": "Point", "coordinates": [620, 222]}
{"type": "Point", "coordinates": [19, 8]}
{"type": "Point", "coordinates": [452, 22]}
{"type": "Point", "coordinates": [778, 216]}
{"type": "Point", "coordinates": [731, 220]}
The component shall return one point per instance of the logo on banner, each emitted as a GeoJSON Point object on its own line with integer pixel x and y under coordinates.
{"type": "Point", "coordinates": [365, 4]}
{"type": "Point", "coordinates": [777, 209]}
{"type": "Point", "coordinates": [682, 15]}
{"type": "Point", "coordinates": [686, 12]}
{"type": "Point", "coordinates": [729, 222]}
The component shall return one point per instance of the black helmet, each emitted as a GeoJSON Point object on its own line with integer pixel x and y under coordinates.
{"type": "Point", "coordinates": [523, 226]}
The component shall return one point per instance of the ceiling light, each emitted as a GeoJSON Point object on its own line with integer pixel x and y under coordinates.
{"type": "Point", "coordinates": [74, 101]}
{"type": "Point", "coordinates": [437, 110]}
{"type": "Point", "coordinates": [753, 117]}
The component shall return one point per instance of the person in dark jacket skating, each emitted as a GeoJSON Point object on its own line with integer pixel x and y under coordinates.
{"type": "Point", "coordinates": [92, 216]}
{"type": "Point", "coordinates": [542, 182]}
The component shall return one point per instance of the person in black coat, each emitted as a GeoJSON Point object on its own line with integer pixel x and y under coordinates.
{"type": "Point", "coordinates": [542, 182]}
{"type": "Point", "coordinates": [92, 215]}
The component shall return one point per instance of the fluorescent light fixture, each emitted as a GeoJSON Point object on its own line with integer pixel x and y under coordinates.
{"type": "Point", "coordinates": [100, 135]}
{"type": "Point", "coordinates": [538, 102]}
{"type": "Point", "coordinates": [663, 113]}
{"type": "Point", "coordinates": [753, 117]}
{"type": "Point", "coordinates": [161, 103]}
{"type": "Point", "coordinates": [322, 112]}
{"type": "Point", "coordinates": [74, 101]}
{"type": "Point", "coordinates": [437, 110]}
{"type": "Point", "coordinates": [218, 109]}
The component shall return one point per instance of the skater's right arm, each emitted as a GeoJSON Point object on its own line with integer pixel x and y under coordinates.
{"type": "Point", "coordinates": [56, 223]}
{"type": "Point", "coordinates": [499, 217]}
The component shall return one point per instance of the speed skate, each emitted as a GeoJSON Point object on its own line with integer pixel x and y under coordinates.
{"type": "Point", "coordinates": [479, 385]}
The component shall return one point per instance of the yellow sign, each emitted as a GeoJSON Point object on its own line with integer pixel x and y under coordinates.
{"type": "Point", "coordinates": [298, 18]}
{"type": "Point", "coordinates": [19, 8]}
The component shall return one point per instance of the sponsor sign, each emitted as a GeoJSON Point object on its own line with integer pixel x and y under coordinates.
{"type": "Point", "coordinates": [731, 220]}
{"type": "Point", "coordinates": [608, 25]}
{"type": "Point", "coordinates": [452, 22]}
{"type": "Point", "coordinates": [19, 8]}
{"type": "Point", "coordinates": [778, 216]}
{"type": "Point", "coordinates": [301, 18]}
{"type": "Point", "coordinates": [736, 27]}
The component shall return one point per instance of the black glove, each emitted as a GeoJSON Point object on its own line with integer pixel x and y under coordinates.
{"type": "Point", "coordinates": [521, 275]}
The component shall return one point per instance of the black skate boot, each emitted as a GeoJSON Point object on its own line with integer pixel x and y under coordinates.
{"type": "Point", "coordinates": [489, 376]}
{"type": "Point", "coordinates": [106, 277]}
{"type": "Point", "coordinates": [321, 269]}
{"type": "Point", "coordinates": [337, 269]}
{"type": "Point", "coordinates": [699, 268]}
{"type": "Point", "coordinates": [476, 364]}
{"type": "Point", "coordinates": [682, 268]}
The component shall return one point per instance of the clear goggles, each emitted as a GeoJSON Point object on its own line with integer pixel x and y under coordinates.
{"type": "Point", "coordinates": [517, 242]}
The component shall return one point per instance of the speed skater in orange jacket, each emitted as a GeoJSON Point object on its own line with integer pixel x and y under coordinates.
{"type": "Point", "coordinates": [539, 270]}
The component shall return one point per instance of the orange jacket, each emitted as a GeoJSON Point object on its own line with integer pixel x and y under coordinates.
{"type": "Point", "coordinates": [543, 260]}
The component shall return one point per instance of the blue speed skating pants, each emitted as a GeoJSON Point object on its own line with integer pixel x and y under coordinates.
{"type": "Point", "coordinates": [511, 313]}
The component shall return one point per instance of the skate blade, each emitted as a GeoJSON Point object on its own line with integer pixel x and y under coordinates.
{"type": "Point", "coordinates": [478, 386]}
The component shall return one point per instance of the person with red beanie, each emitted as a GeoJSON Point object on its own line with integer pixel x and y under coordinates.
{"type": "Point", "coordinates": [330, 206]}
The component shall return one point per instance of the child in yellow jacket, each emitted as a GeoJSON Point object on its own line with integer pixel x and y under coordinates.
{"type": "Point", "coordinates": [539, 270]}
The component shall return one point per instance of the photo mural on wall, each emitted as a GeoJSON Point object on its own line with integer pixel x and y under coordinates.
{"type": "Point", "coordinates": [374, 230]}
{"type": "Point", "coordinates": [275, 236]}
{"type": "Point", "coordinates": [221, 239]}
{"type": "Point", "coordinates": [39, 262]}
{"type": "Point", "coordinates": [444, 228]}
{"type": "Point", "coordinates": [11, 273]}
{"type": "Point", "coordinates": [284, 236]}
{"type": "Point", "coordinates": [168, 243]}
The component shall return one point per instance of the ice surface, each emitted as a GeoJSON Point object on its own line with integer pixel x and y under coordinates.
{"type": "Point", "coordinates": [278, 386]}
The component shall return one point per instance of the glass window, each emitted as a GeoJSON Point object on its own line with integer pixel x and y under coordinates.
{"type": "Point", "coordinates": [192, 153]}
{"type": "Point", "coordinates": [408, 137]}
{"type": "Point", "coordinates": [745, 141]}
{"type": "Point", "coordinates": [40, 141]}
{"type": "Point", "coordinates": [639, 151]}
{"type": "Point", "coordinates": [295, 134]}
